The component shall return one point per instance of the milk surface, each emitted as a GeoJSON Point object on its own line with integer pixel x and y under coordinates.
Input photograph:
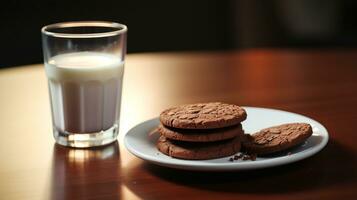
{"type": "Point", "coordinates": [85, 91]}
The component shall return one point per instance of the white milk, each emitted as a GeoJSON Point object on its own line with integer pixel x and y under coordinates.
{"type": "Point", "coordinates": [85, 91]}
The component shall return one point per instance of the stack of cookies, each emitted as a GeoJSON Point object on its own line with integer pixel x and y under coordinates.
{"type": "Point", "coordinates": [201, 131]}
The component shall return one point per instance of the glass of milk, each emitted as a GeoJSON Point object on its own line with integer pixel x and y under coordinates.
{"type": "Point", "coordinates": [84, 64]}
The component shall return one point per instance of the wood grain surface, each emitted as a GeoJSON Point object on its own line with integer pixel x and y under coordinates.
{"type": "Point", "coordinates": [321, 84]}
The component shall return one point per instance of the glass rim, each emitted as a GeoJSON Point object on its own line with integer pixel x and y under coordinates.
{"type": "Point", "coordinates": [121, 29]}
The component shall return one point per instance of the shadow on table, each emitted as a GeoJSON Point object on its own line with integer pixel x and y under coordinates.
{"type": "Point", "coordinates": [85, 173]}
{"type": "Point", "coordinates": [333, 165]}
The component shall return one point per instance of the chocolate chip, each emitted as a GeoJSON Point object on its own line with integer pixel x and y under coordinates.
{"type": "Point", "coordinates": [231, 159]}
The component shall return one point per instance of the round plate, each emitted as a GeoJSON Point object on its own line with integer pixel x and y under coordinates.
{"type": "Point", "coordinates": [139, 143]}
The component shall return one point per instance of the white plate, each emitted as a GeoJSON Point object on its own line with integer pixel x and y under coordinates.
{"type": "Point", "coordinates": [141, 145]}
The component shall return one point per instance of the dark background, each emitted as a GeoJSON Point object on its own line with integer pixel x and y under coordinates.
{"type": "Point", "coordinates": [175, 25]}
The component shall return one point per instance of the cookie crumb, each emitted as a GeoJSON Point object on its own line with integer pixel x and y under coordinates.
{"type": "Point", "coordinates": [253, 157]}
{"type": "Point", "coordinates": [246, 157]}
{"type": "Point", "coordinates": [289, 153]}
{"type": "Point", "coordinates": [243, 156]}
{"type": "Point", "coordinates": [240, 155]}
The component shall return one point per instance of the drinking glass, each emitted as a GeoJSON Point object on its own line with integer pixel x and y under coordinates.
{"type": "Point", "coordinates": [84, 64]}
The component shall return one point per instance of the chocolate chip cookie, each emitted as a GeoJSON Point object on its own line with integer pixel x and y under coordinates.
{"type": "Point", "coordinates": [203, 116]}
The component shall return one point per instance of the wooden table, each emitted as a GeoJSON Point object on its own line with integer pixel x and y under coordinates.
{"type": "Point", "coordinates": [319, 84]}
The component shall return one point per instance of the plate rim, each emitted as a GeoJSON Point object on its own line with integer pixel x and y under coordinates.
{"type": "Point", "coordinates": [229, 166]}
